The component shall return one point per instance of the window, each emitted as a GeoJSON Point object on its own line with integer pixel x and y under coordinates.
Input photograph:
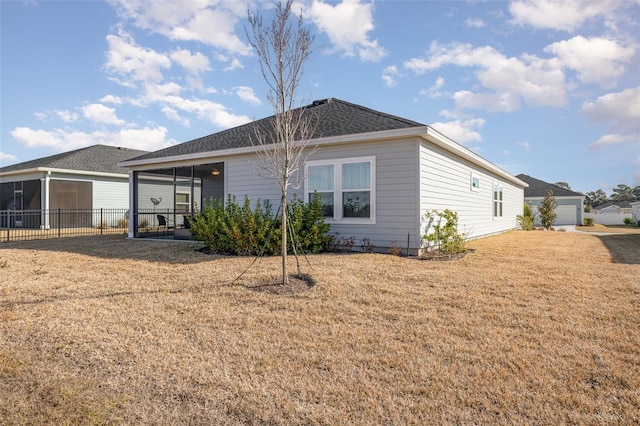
{"type": "Point", "coordinates": [497, 200]}
{"type": "Point", "coordinates": [183, 203]}
{"type": "Point", "coordinates": [475, 183]}
{"type": "Point", "coordinates": [345, 188]}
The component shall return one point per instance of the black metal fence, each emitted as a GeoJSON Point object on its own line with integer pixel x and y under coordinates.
{"type": "Point", "coordinates": [21, 225]}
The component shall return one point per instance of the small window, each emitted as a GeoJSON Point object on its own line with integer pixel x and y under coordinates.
{"type": "Point", "coordinates": [497, 200]}
{"type": "Point", "coordinates": [183, 203]}
{"type": "Point", "coordinates": [475, 183]}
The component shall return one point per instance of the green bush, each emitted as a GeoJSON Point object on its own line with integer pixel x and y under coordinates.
{"type": "Point", "coordinates": [587, 221]}
{"type": "Point", "coordinates": [627, 221]}
{"type": "Point", "coordinates": [238, 230]}
{"type": "Point", "coordinates": [527, 219]}
{"type": "Point", "coordinates": [445, 237]}
{"type": "Point", "coordinates": [547, 210]}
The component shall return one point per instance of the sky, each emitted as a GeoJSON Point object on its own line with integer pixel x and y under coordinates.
{"type": "Point", "coordinates": [550, 89]}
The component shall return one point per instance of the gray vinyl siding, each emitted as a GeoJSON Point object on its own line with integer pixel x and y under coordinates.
{"type": "Point", "coordinates": [395, 184]}
{"type": "Point", "coordinates": [111, 193]}
{"type": "Point", "coordinates": [445, 183]}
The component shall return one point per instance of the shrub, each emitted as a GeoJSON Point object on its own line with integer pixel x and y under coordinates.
{"type": "Point", "coordinates": [547, 210]}
{"type": "Point", "coordinates": [342, 244]}
{"type": "Point", "coordinates": [366, 245]}
{"type": "Point", "coordinates": [395, 249]}
{"type": "Point", "coordinates": [238, 230]}
{"type": "Point", "coordinates": [123, 223]}
{"type": "Point", "coordinates": [527, 219]}
{"type": "Point", "coordinates": [308, 226]}
{"type": "Point", "coordinates": [445, 237]}
{"type": "Point", "coordinates": [587, 221]}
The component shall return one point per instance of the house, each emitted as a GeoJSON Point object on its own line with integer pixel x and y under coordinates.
{"type": "Point", "coordinates": [620, 207]}
{"type": "Point", "coordinates": [83, 179]}
{"type": "Point", "coordinates": [635, 211]}
{"type": "Point", "coordinates": [377, 175]}
{"type": "Point", "coordinates": [570, 203]}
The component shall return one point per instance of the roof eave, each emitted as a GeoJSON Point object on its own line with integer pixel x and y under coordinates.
{"type": "Point", "coordinates": [439, 139]}
{"type": "Point", "coordinates": [68, 171]}
{"type": "Point", "coordinates": [212, 156]}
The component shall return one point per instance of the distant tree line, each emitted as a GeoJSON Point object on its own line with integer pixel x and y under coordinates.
{"type": "Point", "coordinates": [621, 192]}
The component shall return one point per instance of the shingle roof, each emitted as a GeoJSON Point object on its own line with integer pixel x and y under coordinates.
{"type": "Point", "coordinates": [96, 158]}
{"type": "Point", "coordinates": [620, 204]}
{"type": "Point", "coordinates": [539, 188]}
{"type": "Point", "coordinates": [332, 117]}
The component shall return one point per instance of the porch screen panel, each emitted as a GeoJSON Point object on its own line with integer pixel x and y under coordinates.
{"type": "Point", "coordinates": [70, 203]}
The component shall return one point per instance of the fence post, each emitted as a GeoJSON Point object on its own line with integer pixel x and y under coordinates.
{"type": "Point", "coordinates": [59, 221]}
{"type": "Point", "coordinates": [101, 221]}
{"type": "Point", "coordinates": [7, 223]}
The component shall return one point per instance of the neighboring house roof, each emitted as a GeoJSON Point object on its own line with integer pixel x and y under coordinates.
{"type": "Point", "coordinates": [96, 158]}
{"type": "Point", "coordinates": [331, 117]}
{"type": "Point", "coordinates": [614, 205]}
{"type": "Point", "coordinates": [539, 188]}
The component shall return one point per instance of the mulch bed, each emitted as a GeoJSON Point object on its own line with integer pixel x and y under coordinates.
{"type": "Point", "coordinates": [297, 284]}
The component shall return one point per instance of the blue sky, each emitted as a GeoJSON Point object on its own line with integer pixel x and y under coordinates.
{"type": "Point", "coordinates": [550, 89]}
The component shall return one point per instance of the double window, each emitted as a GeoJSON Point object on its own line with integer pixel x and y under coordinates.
{"type": "Point", "coordinates": [345, 187]}
{"type": "Point", "coordinates": [183, 202]}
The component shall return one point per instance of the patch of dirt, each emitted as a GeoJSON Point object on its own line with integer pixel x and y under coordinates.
{"type": "Point", "coordinates": [297, 284]}
{"type": "Point", "coordinates": [443, 256]}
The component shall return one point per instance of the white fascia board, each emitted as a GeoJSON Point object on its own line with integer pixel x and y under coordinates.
{"type": "Point", "coordinates": [437, 138]}
{"type": "Point", "coordinates": [215, 156]}
{"type": "Point", "coordinates": [564, 197]}
{"type": "Point", "coordinates": [50, 170]}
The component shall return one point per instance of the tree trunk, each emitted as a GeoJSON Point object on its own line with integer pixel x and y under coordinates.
{"type": "Point", "coordinates": [285, 273]}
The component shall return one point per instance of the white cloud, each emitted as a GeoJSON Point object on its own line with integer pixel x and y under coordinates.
{"type": "Point", "coordinates": [461, 131]}
{"type": "Point", "coordinates": [132, 62]}
{"type": "Point", "coordinates": [195, 63]}
{"type": "Point", "coordinates": [474, 23]}
{"type": "Point", "coordinates": [150, 139]}
{"type": "Point", "coordinates": [207, 111]}
{"type": "Point", "coordinates": [565, 15]}
{"type": "Point", "coordinates": [434, 91]}
{"type": "Point", "coordinates": [4, 157]}
{"type": "Point", "coordinates": [596, 60]}
{"type": "Point", "coordinates": [621, 109]}
{"type": "Point", "coordinates": [510, 80]}
{"type": "Point", "coordinates": [101, 114]}
{"type": "Point", "coordinates": [347, 24]}
{"type": "Point", "coordinates": [64, 115]}
{"type": "Point", "coordinates": [611, 139]}
{"type": "Point", "coordinates": [111, 99]}
{"type": "Point", "coordinates": [234, 65]}
{"type": "Point", "coordinates": [247, 95]}
{"type": "Point", "coordinates": [210, 22]}
{"type": "Point", "coordinates": [172, 114]}
{"type": "Point", "coordinates": [524, 145]}
{"type": "Point", "coordinates": [389, 75]}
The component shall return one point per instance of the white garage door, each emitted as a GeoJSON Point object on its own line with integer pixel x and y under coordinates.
{"type": "Point", "coordinates": [566, 215]}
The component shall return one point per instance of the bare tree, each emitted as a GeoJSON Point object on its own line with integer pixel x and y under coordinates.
{"type": "Point", "coordinates": [282, 50]}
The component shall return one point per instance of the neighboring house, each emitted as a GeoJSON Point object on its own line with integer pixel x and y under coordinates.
{"type": "Point", "coordinates": [570, 203]}
{"type": "Point", "coordinates": [635, 211]}
{"type": "Point", "coordinates": [86, 178]}
{"type": "Point", "coordinates": [620, 207]}
{"type": "Point", "coordinates": [377, 175]}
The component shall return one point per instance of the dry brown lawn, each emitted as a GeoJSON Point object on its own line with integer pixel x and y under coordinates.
{"type": "Point", "coordinates": [530, 328]}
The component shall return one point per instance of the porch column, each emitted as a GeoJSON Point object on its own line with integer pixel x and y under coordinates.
{"type": "Point", "coordinates": [133, 204]}
{"type": "Point", "coordinates": [44, 201]}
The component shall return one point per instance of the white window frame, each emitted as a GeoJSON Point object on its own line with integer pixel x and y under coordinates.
{"type": "Point", "coordinates": [474, 177]}
{"type": "Point", "coordinates": [337, 189]}
{"type": "Point", "coordinates": [500, 201]}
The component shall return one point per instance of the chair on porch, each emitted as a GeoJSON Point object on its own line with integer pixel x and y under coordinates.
{"type": "Point", "coordinates": [163, 222]}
